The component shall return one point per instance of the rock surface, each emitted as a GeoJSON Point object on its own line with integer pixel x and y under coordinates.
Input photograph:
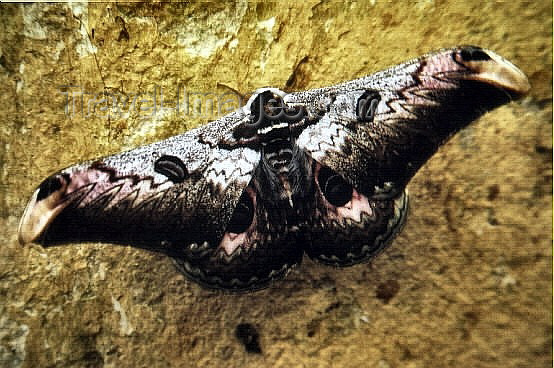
{"type": "Point", "coordinates": [468, 282]}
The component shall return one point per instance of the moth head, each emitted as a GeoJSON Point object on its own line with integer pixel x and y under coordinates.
{"type": "Point", "coordinates": [264, 109]}
{"type": "Point", "coordinates": [264, 101]}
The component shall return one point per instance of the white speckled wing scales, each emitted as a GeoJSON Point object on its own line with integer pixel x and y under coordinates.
{"type": "Point", "coordinates": [186, 196]}
{"type": "Point", "coordinates": [175, 189]}
{"type": "Point", "coordinates": [238, 201]}
{"type": "Point", "coordinates": [371, 135]}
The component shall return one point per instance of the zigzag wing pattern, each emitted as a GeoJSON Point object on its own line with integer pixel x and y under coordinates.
{"type": "Point", "coordinates": [236, 203]}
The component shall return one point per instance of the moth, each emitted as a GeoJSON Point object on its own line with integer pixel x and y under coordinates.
{"type": "Point", "coordinates": [237, 202]}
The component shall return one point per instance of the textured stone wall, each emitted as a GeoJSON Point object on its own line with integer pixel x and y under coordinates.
{"type": "Point", "coordinates": [468, 282]}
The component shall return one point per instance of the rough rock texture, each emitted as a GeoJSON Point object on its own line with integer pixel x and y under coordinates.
{"type": "Point", "coordinates": [468, 283]}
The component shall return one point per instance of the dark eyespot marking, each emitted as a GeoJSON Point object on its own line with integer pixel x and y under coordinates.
{"type": "Point", "coordinates": [172, 167]}
{"type": "Point", "coordinates": [367, 106]}
{"type": "Point", "coordinates": [242, 216]}
{"type": "Point", "coordinates": [473, 53]}
{"type": "Point", "coordinates": [335, 189]}
{"type": "Point", "coordinates": [51, 185]}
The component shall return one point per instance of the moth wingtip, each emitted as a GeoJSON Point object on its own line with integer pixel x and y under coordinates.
{"type": "Point", "coordinates": [27, 229]}
{"type": "Point", "coordinates": [491, 68]}
{"type": "Point", "coordinates": [43, 207]}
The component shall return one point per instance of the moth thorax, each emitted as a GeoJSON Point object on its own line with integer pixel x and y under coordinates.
{"type": "Point", "coordinates": [278, 154]}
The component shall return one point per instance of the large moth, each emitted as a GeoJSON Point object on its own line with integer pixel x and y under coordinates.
{"type": "Point", "coordinates": [237, 202]}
